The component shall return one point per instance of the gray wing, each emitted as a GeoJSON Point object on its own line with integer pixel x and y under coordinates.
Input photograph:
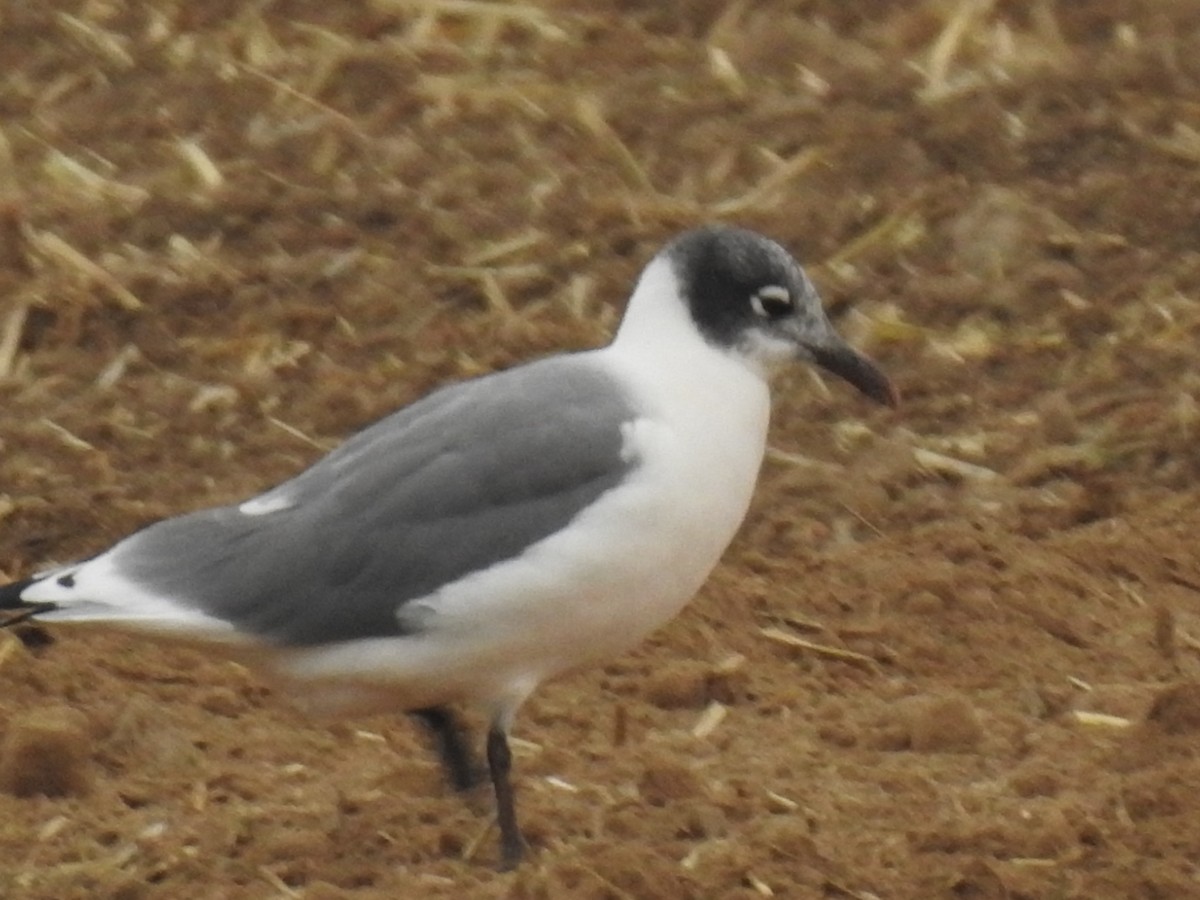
{"type": "Point", "coordinates": [469, 476]}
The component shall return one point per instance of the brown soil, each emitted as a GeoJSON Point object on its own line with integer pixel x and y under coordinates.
{"type": "Point", "coordinates": [955, 651]}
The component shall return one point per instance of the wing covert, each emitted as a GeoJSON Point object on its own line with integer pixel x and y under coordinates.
{"type": "Point", "coordinates": [466, 477]}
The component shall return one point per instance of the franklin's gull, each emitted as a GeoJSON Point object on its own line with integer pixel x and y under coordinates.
{"type": "Point", "coordinates": [500, 531]}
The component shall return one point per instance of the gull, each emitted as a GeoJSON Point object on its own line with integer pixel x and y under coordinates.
{"type": "Point", "coordinates": [500, 531]}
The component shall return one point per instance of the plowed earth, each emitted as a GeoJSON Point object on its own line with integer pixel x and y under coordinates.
{"type": "Point", "coordinates": [954, 651]}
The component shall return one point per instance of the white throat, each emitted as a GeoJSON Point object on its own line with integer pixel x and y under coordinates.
{"type": "Point", "coordinates": [715, 400]}
{"type": "Point", "coordinates": [657, 318]}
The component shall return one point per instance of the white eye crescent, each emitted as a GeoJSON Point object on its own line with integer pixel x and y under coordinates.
{"type": "Point", "coordinates": [771, 301]}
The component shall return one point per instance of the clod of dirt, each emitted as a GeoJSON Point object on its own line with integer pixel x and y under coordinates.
{"type": "Point", "coordinates": [978, 881]}
{"type": "Point", "coordinates": [46, 752]}
{"type": "Point", "coordinates": [942, 725]}
{"type": "Point", "coordinates": [678, 686]}
{"type": "Point", "coordinates": [1035, 783]}
{"type": "Point", "coordinates": [693, 685]}
{"type": "Point", "coordinates": [663, 783]}
{"type": "Point", "coordinates": [1001, 232]}
{"type": "Point", "coordinates": [223, 701]}
{"type": "Point", "coordinates": [1176, 709]}
{"type": "Point", "coordinates": [924, 603]}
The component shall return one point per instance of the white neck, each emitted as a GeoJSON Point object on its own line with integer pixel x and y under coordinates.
{"type": "Point", "coordinates": [659, 345]}
{"type": "Point", "coordinates": [658, 325]}
{"type": "Point", "coordinates": [655, 308]}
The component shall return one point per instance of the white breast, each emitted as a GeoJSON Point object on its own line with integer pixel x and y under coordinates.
{"type": "Point", "coordinates": [625, 566]}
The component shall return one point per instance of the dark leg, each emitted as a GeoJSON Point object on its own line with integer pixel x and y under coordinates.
{"type": "Point", "coordinates": [512, 845]}
{"type": "Point", "coordinates": [452, 748]}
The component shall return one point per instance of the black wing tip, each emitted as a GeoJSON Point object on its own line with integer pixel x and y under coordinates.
{"type": "Point", "coordinates": [10, 594]}
{"type": "Point", "coordinates": [14, 610]}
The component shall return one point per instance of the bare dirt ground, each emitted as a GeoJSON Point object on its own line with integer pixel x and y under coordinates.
{"type": "Point", "coordinates": [955, 651]}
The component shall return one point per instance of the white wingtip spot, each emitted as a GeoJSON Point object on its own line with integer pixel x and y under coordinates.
{"type": "Point", "coordinates": [266, 503]}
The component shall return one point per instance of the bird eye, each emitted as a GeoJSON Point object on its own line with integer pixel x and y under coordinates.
{"type": "Point", "coordinates": [772, 301]}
